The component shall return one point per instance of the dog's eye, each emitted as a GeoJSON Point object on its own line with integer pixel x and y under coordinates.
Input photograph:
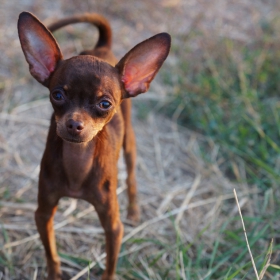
{"type": "Point", "coordinates": [104, 104]}
{"type": "Point", "coordinates": [57, 95]}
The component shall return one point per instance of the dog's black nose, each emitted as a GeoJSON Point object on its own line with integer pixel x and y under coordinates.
{"type": "Point", "coordinates": [74, 127]}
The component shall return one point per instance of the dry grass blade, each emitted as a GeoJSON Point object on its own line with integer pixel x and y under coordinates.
{"type": "Point", "coordinates": [35, 273]}
{"type": "Point", "coordinates": [179, 210]}
{"type": "Point", "coordinates": [28, 184]}
{"type": "Point", "coordinates": [170, 196]}
{"type": "Point", "coordinates": [29, 120]}
{"type": "Point", "coordinates": [267, 264]}
{"type": "Point", "coordinates": [72, 207]}
{"type": "Point", "coordinates": [188, 198]}
{"type": "Point", "coordinates": [98, 260]}
{"type": "Point", "coordinates": [22, 241]}
{"type": "Point", "coordinates": [244, 229]}
{"type": "Point", "coordinates": [14, 205]}
{"type": "Point", "coordinates": [183, 275]}
{"type": "Point", "coordinates": [103, 256]}
{"type": "Point", "coordinates": [30, 105]}
{"type": "Point", "coordinates": [86, 269]}
{"type": "Point", "coordinates": [157, 149]}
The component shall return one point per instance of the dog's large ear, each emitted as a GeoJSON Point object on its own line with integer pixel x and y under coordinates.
{"type": "Point", "coordinates": [39, 47]}
{"type": "Point", "coordinates": [140, 65]}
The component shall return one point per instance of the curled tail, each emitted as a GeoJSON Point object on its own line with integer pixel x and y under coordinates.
{"type": "Point", "coordinates": [104, 28]}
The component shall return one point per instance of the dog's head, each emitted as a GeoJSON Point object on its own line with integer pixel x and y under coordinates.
{"type": "Point", "coordinates": [85, 91]}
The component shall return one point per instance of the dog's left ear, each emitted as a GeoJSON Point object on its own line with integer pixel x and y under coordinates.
{"type": "Point", "coordinates": [140, 65]}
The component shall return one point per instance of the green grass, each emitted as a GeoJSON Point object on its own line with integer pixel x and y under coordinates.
{"type": "Point", "coordinates": [226, 258]}
{"type": "Point", "coordinates": [230, 92]}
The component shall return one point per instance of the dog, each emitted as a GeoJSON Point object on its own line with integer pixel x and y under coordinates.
{"type": "Point", "coordinates": [90, 95]}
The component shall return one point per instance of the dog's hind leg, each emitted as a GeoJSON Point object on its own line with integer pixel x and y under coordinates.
{"type": "Point", "coordinates": [129, 146]}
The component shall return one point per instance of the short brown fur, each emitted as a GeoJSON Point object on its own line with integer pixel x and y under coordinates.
{"type": "Point", "coordinates": [89, 126]}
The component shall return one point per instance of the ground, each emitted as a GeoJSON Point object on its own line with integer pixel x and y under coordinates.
{"type": "Point", "coordinates": [178, 187]}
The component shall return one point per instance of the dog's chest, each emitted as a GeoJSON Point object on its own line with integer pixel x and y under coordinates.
{"type": "Point", "coordinates": [77, 163]}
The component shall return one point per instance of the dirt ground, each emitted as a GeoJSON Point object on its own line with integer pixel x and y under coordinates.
{"type": "Point", "coordinates": [173, 178]}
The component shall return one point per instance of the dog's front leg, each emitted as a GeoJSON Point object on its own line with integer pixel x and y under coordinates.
{"type": "Point", "coordinates": [44, 220]}
{"type": "Point", "coordinates": [108, 213]}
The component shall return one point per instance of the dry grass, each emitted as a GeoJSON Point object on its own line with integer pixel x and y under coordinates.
{"type": "Point", "coordinates": [181, 193]}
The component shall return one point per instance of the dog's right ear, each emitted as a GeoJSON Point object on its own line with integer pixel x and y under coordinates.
{"type": "Point", "coordinates": [41, 50]}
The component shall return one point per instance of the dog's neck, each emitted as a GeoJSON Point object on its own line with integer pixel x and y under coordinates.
{"type": "Point", "coordinates": [77, 162]}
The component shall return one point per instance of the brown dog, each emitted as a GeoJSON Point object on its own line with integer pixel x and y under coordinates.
{"type": "Point", "coordinates": [90, 124]}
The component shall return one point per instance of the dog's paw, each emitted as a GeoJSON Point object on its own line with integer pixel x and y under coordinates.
{"type": "Point", "coordinates": [105, 276]}
{"type": "Point", "coordinates": [133, 213]}
{"type": "Point", "coordinates": [55, 275]}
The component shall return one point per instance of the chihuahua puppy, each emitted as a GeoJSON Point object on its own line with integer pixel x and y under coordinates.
{"type": "Point", "coordinates": [91, 122]}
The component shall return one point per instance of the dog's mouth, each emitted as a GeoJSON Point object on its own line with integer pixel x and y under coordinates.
{"type": "Point", "coordinates": [77, 140]}
{"type": "Point", "coordinates": [73, 140]}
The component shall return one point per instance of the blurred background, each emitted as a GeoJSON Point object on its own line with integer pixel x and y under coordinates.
{"type": "Point", "coordinates": [210, 123]}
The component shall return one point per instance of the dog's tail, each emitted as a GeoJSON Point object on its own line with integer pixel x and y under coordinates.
{"type": "Point", "coordinates": [104, 28]}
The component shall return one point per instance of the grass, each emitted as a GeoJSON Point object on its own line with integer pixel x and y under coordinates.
{"type": "Point", "coordinates": [230, 93]}
{"type": "Point", "coordinates": [226, 258]}
{"type": "Point", "coordinates": [224, 89]}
